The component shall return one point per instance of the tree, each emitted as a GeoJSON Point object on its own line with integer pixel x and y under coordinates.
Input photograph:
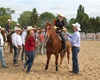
{"type": "Point", "coordinates": [25, 18]}
{"type": "Point", "coordinates": [46, 17]}
{"type": "Point", "coordinates": [82, 18]}
{"type": "Point", "coordinates": [34, 17]}
{"type": "Point", "coordinates": [5, 14]}
{"type": "Point", "coordinates": [72, 20]}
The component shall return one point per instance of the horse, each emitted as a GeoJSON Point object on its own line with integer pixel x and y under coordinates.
{"type": "Point", "coordinates": [54, 46]}
{"type": "Point", "coordinates": [9, 40]}
{"type": "Point", "coordinates": [3, 32]}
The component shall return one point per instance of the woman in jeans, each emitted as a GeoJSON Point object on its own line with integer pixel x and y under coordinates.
{"type": "Point", "coordinates": [29, 49]}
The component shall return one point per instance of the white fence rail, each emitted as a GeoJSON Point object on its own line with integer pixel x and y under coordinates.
{"type": "Point", "coordinates": [90, 36]}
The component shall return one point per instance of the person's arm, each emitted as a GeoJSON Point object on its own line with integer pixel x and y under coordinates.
{"type": "Point", "coordinates": [23, 38]}
{"type": "Point", "coordinates": [32, 41]}
{"type": "Point", "coordinates": [73, 39]}
{"type": "Point", "coordinates": [14, 41]}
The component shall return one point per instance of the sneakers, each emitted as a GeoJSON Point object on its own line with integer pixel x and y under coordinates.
{"type": "Point", "coordinates": [5, 67]}
{"type": "Point", "coordinates": [74, 72]}
{"type": "Point", "coordinates": [16, 64]}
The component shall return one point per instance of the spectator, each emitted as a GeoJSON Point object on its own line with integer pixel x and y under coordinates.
{"type": "Point", "coordinates": [75, 40]}
{"type": "Point", "coordinates": [17, 43]}
{"type": "Point", "coordinates": [2, 51]}
{"type": "Point", "coordinates": [41, 45]}
{"type": "Point", "coordinates": [29, 49]}
{"type": "Point", "coordinates": [23, 56]}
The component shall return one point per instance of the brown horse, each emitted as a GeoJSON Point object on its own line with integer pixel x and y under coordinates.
{"type": "Point", "coordinates": [54, 46]}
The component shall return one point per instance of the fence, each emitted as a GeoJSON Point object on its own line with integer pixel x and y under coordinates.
{"type": "Point", "coordinates": [90, 36]}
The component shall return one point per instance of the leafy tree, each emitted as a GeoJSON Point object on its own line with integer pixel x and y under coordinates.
{"type": "Point", "coordinates": [34, 17]}
{"type": "Point", "coordinates": [72, 20]}
{"type": "Point", "coordinates": [25, 18]}
{"type": "Point", "coordinates": [5, 14]}
{"type": "Point", "coordinates": [46, 17]}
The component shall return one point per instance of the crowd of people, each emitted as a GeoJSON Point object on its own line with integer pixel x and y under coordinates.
{"type": "Point", "coordinates": [32, 42]}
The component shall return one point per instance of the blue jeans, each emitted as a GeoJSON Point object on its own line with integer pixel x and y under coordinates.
{"type": "Point", "coordinates": [41, 48]}
{"type": "Point", "coordinates": [30, 60]}
{"type": "Point", "coordinates": [23, 55]}
{"type": "Point", "coordinates": [2, 57]}
{"type": "Point", "coordinates": [75, 51]}
{"type": "Point", "coordinates": [63, 40]}
{"type": "Point", "coordinates": [16, 54]}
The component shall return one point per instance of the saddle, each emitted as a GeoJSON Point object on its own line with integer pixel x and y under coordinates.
{"type": "Point", "coordinates": [59, 37]}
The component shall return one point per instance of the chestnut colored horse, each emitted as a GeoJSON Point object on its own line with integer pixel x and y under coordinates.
{"type": "Point", "coordinates": [54, 46]}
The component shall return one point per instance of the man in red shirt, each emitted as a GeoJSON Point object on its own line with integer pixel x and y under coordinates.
{"type": "Point", "coordinates": [41, 40]}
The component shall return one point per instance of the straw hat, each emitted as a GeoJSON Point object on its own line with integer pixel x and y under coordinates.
{"type": "Point", "coordinates": [55, 27]}
{"type": "Point", "coordinates": [17, 24]}
{"type": "Point", "coordinates": [77, 26]}
{"type": "Point", "coordinates": [60, 14]}
{"type": "Point", "coordinates": [30, 28]}
{"type": "Point", "coordinates": [9, 20]}
{"type": "Point", "coordinates": [17, 29]}
{"type": "Point", "coordinates": [2, 28]}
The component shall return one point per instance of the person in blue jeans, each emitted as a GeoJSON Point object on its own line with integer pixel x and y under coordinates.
{"type": "Point", "coordinates": [29, 49]}
{"type": "Point", "coordinates": [2, 59]}
{"type": "Point", "coordinates": [75, 41]}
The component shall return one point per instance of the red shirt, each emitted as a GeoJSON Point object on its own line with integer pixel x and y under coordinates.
{"type": "Point", "coordinates": [41, 37]}
{"type": "Point", "coordinates": [30, 44]}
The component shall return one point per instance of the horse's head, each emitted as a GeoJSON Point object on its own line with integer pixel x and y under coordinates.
{"type": "Point", "coordinates": [49, 30]}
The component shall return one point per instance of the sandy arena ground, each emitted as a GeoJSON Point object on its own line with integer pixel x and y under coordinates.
{"type": "Point", "coordinates": [89, 61]}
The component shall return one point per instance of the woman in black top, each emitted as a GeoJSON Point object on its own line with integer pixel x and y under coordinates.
{"type": "Point", "coordinates": [60, 24]}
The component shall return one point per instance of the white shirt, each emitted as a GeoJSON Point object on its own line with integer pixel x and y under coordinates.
{"type": "Point", "coordinates": [74, 38]}
{"type": "Point", "coordinates": [1, 40]}
{"type": "Point", "coordinates": [16, 39]}
{"type": "Point", "coordinates": [23, 37]}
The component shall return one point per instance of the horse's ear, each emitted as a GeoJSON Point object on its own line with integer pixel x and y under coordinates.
{"type": "Point", "coordinates": [47, 23]}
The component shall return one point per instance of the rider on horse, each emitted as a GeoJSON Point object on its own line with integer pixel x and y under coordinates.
{"type": "Point", "coordinates": [8, 26]}
{"type": "Point", "coordinates": [60, 24]}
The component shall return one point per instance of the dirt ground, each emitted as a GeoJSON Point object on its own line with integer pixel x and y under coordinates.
{"type": "Point", "coordinates": [89, 62]}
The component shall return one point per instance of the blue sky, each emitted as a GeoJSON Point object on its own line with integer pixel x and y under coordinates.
{"type": "Point", "coordinates": [67, 7]}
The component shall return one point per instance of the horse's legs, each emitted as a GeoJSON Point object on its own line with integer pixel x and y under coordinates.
{"type": "Point", "coordinates": [60, 59]}
{"type": "Point", "coordinates": [11, 47]}
{"type": "Point", "coordinates": [48, 59]}
{"type": "Point", "coordinates": [56, 61]}
{"type": "Point", "coordinates": [68, 57]}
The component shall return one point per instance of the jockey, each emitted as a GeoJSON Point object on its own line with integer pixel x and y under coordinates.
{"type": "Point", "coordinates": [8, 26]}
{"type": "Point", "coordinates": [59, 25]}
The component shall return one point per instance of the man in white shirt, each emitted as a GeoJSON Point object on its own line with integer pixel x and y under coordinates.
{"type": "Point", "coordinates": [23, 43]}
{"type": "Point", "coordinates": [75, 41]}
{"type": "Point", "coordinates": [17, 43]}
{"type": "Point", "coordinates": [2, 51]}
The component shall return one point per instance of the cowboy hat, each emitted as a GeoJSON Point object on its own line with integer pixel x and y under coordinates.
{"type": "Point", "coordinates": [9, 20]}
{"type": "Point", "coordinates": [30, 28]}
{"type": "Point", "coordinates": [16, 28]}
{"type": "Point", "coordinates": [60, 14]}
{"type": "Point", "coordinates": [2, 28]}
{"type": "Point", "coordinates": [77, 26]}
{"type": "Point", "coordinates": [17, 24]}
{"type": "Point", "coordinates": [55, 27]}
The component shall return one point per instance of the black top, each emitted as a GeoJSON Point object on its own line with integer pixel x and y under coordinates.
{"type": "Point", "coordinates": [8, 27]}
{"type": "Point", "coordinates": [59, 24]}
